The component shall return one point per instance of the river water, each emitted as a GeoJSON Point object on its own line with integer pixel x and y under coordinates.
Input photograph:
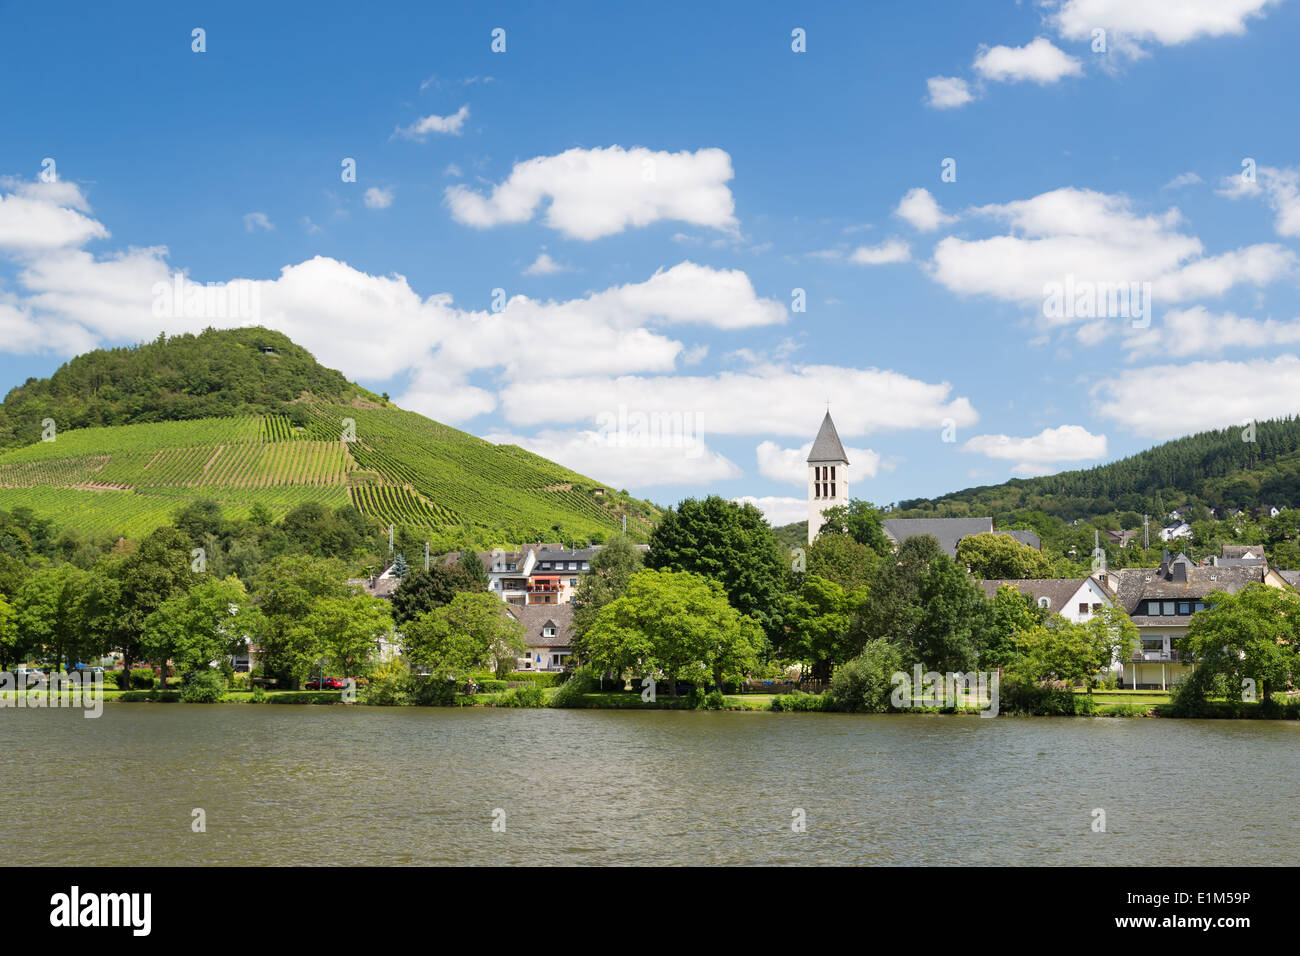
{"type": "Point", "coordinates": [281, 784]}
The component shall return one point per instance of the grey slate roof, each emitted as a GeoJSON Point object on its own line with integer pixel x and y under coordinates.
{"type": "Point", "coordinates": [948, 531]}
{"type": "Point", "coordinates": [1291, 577]}
{"type": "Point", "coordinates": [1058, 591]}
{"type": "Point", "coordinates": [1238, 551]}
{"type": "Point", "coordinates": [1138, 584]}
{"type": "Point", "coordinates": [827, 445]}
{"type": "Point", "coordinates": [1025, 537]}
{"type": "Point", "coordinates": [536, 617]}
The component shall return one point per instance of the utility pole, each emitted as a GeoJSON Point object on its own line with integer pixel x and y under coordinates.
{"type": "Point", "coordinates": [426, 556]}
{"type": "Point", "coordinates": [625, 524]}
{"type": "Point", "coordinates": [390, 539]}
{"type": "Point", "coordinates": [1146, 534]}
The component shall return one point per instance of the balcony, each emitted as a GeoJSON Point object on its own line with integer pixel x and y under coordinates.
{"type": "Point", "coordinates": [1162, 657]}
{"type": "Point", "coordinates": [544, 589]}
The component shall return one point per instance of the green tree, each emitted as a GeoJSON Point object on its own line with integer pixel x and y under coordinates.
{"type": "Point", "coordinates": [205, 625]}
{"type": "Point", "coordinates": [861, 522]}
{"type": "Point", "coordinates": [12, 649]}
{"type": "Point", "coordinates": [865, 684]}
{"type": "Point", "coordinates": [1252, 635]}
{"type": "Point", "coordinates": [350, 629]}
{"type": "Point", "coordinates": [1057, 650]}
{"type": "Point", "coordinates": [473, 631]}
{"type": "Point", "coordinates": [1000, 556]}
{"type": "Point", "coordinates": [473, 566]}
{"type": "Point", "coordinates": [50, 616]}
{"type": "Point", "coordinates": [611, 569]}
{"type": "Point", "coordinates": [675, 623]}
{"type": "Point", "coordinates": [422, 591]}
{"type": "Point", "coordinates": [728, 543]}
{"type": "Point", "coordinates": [816, 621]}
{"type": "Point", "coordinates": [288, 588]}
{"type": "Point", "coordinates": [1114, 637]}
{"type": "Point", "coordinates": [839, 558]}
{"type": "Point", "coordinates": [157, 571]}
{"type": "Point", "coordinates": [1010, 613]}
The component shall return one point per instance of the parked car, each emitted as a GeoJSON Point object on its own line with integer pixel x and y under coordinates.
{"type": "Point", "coordinates": [327, 683]}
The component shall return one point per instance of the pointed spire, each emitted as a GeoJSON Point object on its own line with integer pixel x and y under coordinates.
{"type": "Point", "coordinates": [827, 447]}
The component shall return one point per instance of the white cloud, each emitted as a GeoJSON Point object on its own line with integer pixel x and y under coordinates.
{"type": "Point", "coordinates": [790, 465]}
{"type": "Point", "coordinates": [1035, 455]}
{"type": "Point", "coordinates": [1166, 401]}
{"type": "Point", "coordinates": [1039, 61]}
{"type": "Point", "coordinates": [1198, 331]}
{"type": "Point", "coordinates": [948, 92]}
{"type": "Point", "coordinates": [1170, 24]}
{"type": "Point", "coordinates": [921, 211]}
{"type": "Point", "coordinates": [777, 510]}
{"type": "Point", "coordinates": [544, 265]}
{"type": "Point", "coordinates": [253, 221]}
{"type": "Point", "coordinates": [448, 125]}
{"type": "Point", "coordinates": [770, 400]}
{"type": "Point", "coordinates": [1098, 238]}
{"type": "Point", "coordinates": [1181, 180]}
{"type": "Point", "coordinates": [600, 192]}
{"type": "Point", "coordinates": [637, 462]}
{"type": "Point", "coordinates": [1279, 187]}
{"type": "Point", "coordinates": [40, 216]}
{"type": "Point", "coordinates": [376, 198]}
{"type": "Point", "coordinates": [893, 250]}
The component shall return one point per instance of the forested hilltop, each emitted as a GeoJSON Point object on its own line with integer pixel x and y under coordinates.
{"type": "Point", "coordinates": [215, 374]}
{"type": "Point", "coordinates": [1214, 469]}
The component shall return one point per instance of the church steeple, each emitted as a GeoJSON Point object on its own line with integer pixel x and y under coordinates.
{"type": "Point", "coordinates": [828, 476]}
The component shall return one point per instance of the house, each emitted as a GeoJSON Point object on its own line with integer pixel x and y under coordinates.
{"type": "Point", "coordinates": [1122, 538]}
{"type": "Point", "coordinates": [548, 637]}
{"type": "Point", "coordinates": [949, 531]}
{"type": "Point", "coordinates": [1240, 555]}
{"type": "Point", "coordinates": [1075, 599]}
{"type": "Point", "coordinates": [1161, 601]}
{"type": "Point", "coordinates": [1173, 531]}
{"type": "Point", "coordinates": [555, 574]}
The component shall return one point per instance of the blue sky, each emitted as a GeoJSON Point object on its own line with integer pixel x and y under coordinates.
{"type": "Point", "coordinates": [648, 187]}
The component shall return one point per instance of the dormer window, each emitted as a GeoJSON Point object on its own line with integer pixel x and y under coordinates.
{"type": "Point", "coordinates": [1044, 602]}
{"type": "Point", "coordinates": [548, 631]}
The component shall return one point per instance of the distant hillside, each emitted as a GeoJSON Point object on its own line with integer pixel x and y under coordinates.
{"type": "Point", "coordinates": [1216, 469]}
{"type": "Point", "coordinates": [141, 431]}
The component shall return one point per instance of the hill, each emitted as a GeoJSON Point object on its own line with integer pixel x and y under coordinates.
{"type": "Point", "coordinates": [245, 417]}
{"type": "Point", "coordinates": [1213, 469]}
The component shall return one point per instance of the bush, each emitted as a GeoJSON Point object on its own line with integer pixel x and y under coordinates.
{"type": "Point", "coordinates": [434, 691]}
{"type": "Point", "coordinates": [540, 678]}
{"type": "Point", "coordinates": [571, 691]}
{"type": "Point", "coordinates": [1045, 699]}
{"type": "Point", "coordinates": [864, 684]}
{"type": "Point", "coordinates": [142, 677]}
{"type": "Point", "coordinates": [531, 696]}
{"type": "Point", "coordinates": [493, 686]}
{"type": "Point", "coordinates": [259, 694]}
{"type": "Point", "coordinates": [714, 700]}
{"type": "Point", "coordinates": [239, 681]}
{"type": "Point", "coordinates": [122, 679]}
{"type": "Point", "coordinates": [390, 685]}
{"type": "Point", "coordinates": [798, 701]}
{"type": "Point", "coordinates": [203, 687]}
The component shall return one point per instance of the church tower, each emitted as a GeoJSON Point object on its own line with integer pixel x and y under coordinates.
{"type": "Point", "coordinates": [828, 476]}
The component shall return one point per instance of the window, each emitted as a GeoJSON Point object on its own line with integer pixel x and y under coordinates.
{"type": "Point", "coordinates": [573, 582]}
{"type": "Point", "coordinates": [832, 474]}
{"type": "Point", "coordinates": [1184, 607]}
{"type": "Point", "coordinates": [586, 566]}
{"type": "Point", "coordinates": [832, 489]}
{"type": "Point", "coordinates": [548, 632]}
{"type": "Point", "coordinates": [1044, 602]}
{"type": "Point", "coordinates": [1200, 606]}
{"type": "Point", "coordinates": [1169, 607]}
{"type": "Point", "coordinates": [1153, 608]}
{"type": "Point", "coordinates": [1083, 607]}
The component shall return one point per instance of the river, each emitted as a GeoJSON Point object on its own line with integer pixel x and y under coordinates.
{"type": "Point", "coordinates": [281, 784]}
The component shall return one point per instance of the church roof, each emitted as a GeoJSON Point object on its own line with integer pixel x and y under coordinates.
{"type": "Point", "coordinates": [827, 447]}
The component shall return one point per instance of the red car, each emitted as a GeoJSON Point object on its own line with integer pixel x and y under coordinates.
{"type": "Point", "coordinates": [326, 683]}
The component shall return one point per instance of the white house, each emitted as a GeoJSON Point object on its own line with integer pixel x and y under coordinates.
{"type": "Point", "coordinates": [1075, 599]}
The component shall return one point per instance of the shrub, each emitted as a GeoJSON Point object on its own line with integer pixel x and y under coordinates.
{"type": "Point", "coordinates": [800, 701]}
{"type": "Point", "coordinates": [864, 684]}
{"type": "Point", "coordinates": [540, 678]}
{"type": "Point", "coordinates": [122, 678]}
{"type": "Point", "coordinates": [259, 694]}
{"type": "Point", "coordinates": [530, 696]}
{"type": "Point", "coordinates": [434, 691]}
{"type": "Point", "coordinates": [493, 686]}
{"type": "Point", "coordinates": [1044, 699]}
{"type": "Point", "coordinates": [714, 700]}
{"type": "Point", "coordinates": [203, 687]}
{"type": "Point", "coordinates": [390, 685]}
{"type": "Point", "coordinates": [571, 691]}
{"type": "Point", "coordinates": [240, 681]}
{"type": "Point", "coordinates": [142, 677]}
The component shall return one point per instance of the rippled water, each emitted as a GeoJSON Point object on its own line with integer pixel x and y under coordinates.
{"type": "Point", "coordinates": [336, 785]}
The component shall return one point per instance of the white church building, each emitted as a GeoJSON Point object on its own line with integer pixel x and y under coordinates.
{"type": "Point", "coordinates": [828, 476]}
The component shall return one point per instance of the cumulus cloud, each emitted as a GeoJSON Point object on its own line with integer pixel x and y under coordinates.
{"type": "Point", "coordinates": [376, 198]}
{"type": "Point", "coordinates": [39, 216]}
{"type": "Point", "coordinates": [947, 92]}
{"type": "Point", "coordinates": [1280, 188]}
{"type": "Point", "coordinates": [777, 510]}
{"type": "Point", "coordinates": [1132, 22]}
{"type": "Point", "coordinates": [1040, 62]}
{"type": "Point", "coordinates": [1039, 453]}
{"type": "Point", "coordinates": [1208, 395]}
{"type": "Point", "coordinates": [790, 465]}
{"type": "Point", "coordinates": [1092, 237]}
{"type": "Point", "coordinates": [1198, 331]}
{"type": "Point", "coordinates": [544, 265]}
{"type": "Point", "coordinates": [600, 192]}
{"type": "Point", "coordinates": [257, 221]}
{"type": "Point", "coordinates": [892, 250]}
{"type": "Point", "coordinates": [445, 125]}
{"type": "Point", "coordinates": [919, 209]}
{"type": "Point", "coordinates": [1181, 180]}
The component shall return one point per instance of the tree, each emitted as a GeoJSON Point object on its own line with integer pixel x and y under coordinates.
{"type": "Point", "coordinates": [469, 560]}
{"type": "Point", "coordinates": [816, 621]}
{"type": "Point", "coordinates": [859, 521]}
{"type": "Point", "coordinates": [728, 543]}
{"type": "Point", "coordinates": [288, 589]}
{"type": "Point", "coordinates": [208, 623]}
{"type": "Point", "coordinates": [1010, 613]}
{"type": "Point", "coordinates": [1057, 650]}
{"type": "Point", "coordinates": [472, 632]}
{"type": "Point", "coordinates": [1252, 635]}
{"type": "Point", "coordinates": [675, 623]}
{"type": "Point", "coordinates": [865, 684]}
{"type": "Point", "coordinates": [50, 616]}
{"type": "Point", "coordinates": [1114, 638]}
{"type": "Point", "coordinates": [1000, 556]}
{"type": "Point", "coordinates": [350, 629]}
{"type": "Point", "coordinates": [839, 558]}
{"type": "Point", "coordinates": [422, 590]}
{"type": "Point", "coordinates": [400, 568]}
{"type": "Point", "coordinates": [158, 570]}
{"type": "Point", "coordinates": [611, 568]}
{"type": "Point", "coordinates": [11, 644]}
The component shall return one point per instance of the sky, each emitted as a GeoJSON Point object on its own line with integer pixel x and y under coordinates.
{"type": "Point", "coordinates": [653, 242]}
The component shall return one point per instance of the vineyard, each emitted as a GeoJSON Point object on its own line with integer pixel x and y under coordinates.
{"type": "Point", "coordinates": [393, 465]}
